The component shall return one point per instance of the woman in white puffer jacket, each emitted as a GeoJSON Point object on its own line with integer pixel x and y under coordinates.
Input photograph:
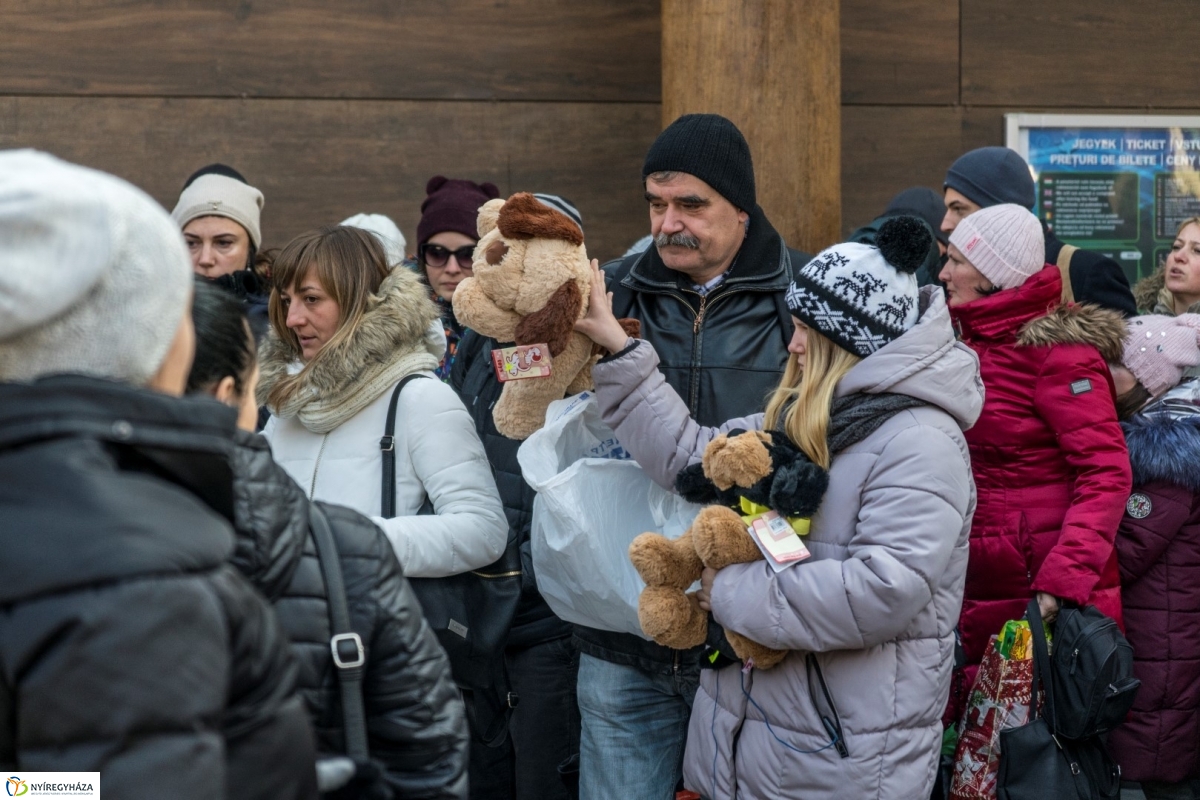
{"type": "Point", "coordinates": [345, 330]}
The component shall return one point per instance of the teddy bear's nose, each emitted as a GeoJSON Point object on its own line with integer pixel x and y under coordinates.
{"type": "Point", "coordinates": [496, 252]}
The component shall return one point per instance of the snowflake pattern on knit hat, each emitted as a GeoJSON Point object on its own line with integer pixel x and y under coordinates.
{"type": "Point", "coordinates": [851, 294]}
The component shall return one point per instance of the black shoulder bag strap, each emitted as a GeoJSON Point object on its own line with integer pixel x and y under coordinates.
{"type": "Point", "coordinates": [346, 645]}
{"type": "Point", "coordinates": [387, 445]}
{"type": "Point", "coordinates": [1041, 666]}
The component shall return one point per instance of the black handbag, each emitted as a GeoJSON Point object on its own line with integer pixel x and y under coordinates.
{"type": "Point", "coordinates": [1036, 764]}
{"type": "Point", "coordinates": [471, 613]}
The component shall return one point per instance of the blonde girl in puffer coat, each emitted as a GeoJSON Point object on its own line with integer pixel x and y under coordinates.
{"type": "Point", "coordinates": [877, 391]}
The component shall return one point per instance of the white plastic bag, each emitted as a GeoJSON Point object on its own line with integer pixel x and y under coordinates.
{"type": "Point", "coordinates": [592, 500]}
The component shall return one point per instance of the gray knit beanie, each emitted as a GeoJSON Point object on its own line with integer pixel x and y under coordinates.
{"type": "Point", "coordinates": [94, 276]}
{"type": "Point", "coordinates": [989, 176]}
{"type": "Point", "coordinates": [711, 148]}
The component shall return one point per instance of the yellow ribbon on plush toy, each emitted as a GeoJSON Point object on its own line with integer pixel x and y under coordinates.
{"type": "Point", "coordinates": [752, 511]}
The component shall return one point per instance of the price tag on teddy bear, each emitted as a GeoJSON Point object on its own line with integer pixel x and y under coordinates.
{"type": "Point", "coordinates": [522, 361]}
{"type": "Point", "coordinates": [778, 541]}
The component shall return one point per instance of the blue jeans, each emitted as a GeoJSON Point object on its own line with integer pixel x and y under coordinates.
{"type": "Point", "coordinates": [634, 729]}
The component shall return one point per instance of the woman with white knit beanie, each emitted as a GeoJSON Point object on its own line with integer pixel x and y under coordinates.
{"type": "Point", "coordinates": [219, 213]}
{"type": "Point", "coordinates": [1049, 459]}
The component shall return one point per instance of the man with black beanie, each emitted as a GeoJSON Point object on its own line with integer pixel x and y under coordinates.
{"type": "Point", "coordinates": [710, 297]}
{"type": "Point", "coordinates": [989, 176]}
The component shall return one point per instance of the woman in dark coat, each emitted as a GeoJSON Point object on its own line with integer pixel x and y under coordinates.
{"type": "Point", "coordinates": [415, 721]}
{"type": "Point", "coordinates": [1158, 545]}
{"type": "Point", "coordinates": [128, 644]}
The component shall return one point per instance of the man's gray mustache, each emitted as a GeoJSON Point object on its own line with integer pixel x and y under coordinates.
{"type": "Point", "coordinates": [678, 240]}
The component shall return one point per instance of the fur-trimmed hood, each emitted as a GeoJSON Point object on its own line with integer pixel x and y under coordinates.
{"type": "Point", "coordinates": [1033, 314]}
{"type": "Point", "coordinates": [1079, 323]}
{"type": "Point", "coordinates": [398, 327]}
{"type": "Point", "coordinates": [1163, 448]}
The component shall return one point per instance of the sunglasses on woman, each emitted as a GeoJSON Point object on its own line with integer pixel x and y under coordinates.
{"type": "Point", "coordinates": [434, 255]}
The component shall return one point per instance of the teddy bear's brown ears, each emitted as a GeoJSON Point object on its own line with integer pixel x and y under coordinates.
{"type": "Point", "coordinates": [525, 217]}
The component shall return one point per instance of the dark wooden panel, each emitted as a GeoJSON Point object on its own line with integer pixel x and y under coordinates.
{"type": "Point", "coordinates": [417, 49]}
{"type": "Point", "coordinates": [1074, 53]}
{"type": "Point", "coordinates": [900, 52]}
{"type": "Point", "coordinates": [788, 52]}
{"type": "Point", "coordinates": [319, 161]}
{"type": "Point", "coordinates": [886, 149]}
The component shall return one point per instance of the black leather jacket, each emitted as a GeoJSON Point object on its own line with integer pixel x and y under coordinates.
{"type": "Point", "coordinates": [415, 720]}
{"type": "Point", "coordinates": [723, 353]}
{"type": "Point", "coordinates": [128, 645]}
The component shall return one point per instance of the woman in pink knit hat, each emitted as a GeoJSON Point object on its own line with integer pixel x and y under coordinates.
{"type": "Point", "coordinates": [1049, 460]}
{"type": "Point", "coordinates": [1158, 545]}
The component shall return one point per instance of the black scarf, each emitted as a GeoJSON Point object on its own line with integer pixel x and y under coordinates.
{"type": "Point", "coordinates": [856, 416]}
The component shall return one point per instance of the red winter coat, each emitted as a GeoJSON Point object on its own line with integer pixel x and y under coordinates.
{"type": "Point", "coordinates": [1159, 547]}
{"type": "Point", "coordinates": [1049, 458]}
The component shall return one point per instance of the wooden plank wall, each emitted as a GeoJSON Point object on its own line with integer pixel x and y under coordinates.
{"type": "Point", "coordinates": [925, 80]}
{"type": "Point", "coordinates": [335, 108]}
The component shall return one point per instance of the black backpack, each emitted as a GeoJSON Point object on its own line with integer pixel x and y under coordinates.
{"type": "Point", "coordinates": [1092, 673]}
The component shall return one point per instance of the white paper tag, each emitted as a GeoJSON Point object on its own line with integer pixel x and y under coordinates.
{"type": "Point", "coordinates": [779, 544]}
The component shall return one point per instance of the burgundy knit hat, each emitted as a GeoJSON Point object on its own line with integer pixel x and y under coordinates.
{"type": "Point", "coordinates": [452, 205]}
{"type": "Point", "coordinates": [1159, 349]}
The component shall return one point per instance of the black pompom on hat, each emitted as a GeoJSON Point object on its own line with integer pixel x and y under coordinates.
{"type": "Point", "coordinates": [904, 243]}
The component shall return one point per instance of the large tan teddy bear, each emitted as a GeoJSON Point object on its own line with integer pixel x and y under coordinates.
{"type": "Point", "coordinates": [752, 471]}
{"type": "Point", "coordinates": [531, 282]}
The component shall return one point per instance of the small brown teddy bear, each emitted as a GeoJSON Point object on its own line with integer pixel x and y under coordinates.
{"type": "Point", "coordinates": [763, 469]}
{"type": "Point", "coordinates": [531, 282]}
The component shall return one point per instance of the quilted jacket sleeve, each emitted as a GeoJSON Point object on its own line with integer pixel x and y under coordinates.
{"type": "Point", "coordinates": [469, 529]}
{"type": "Point", "coordinates": [914, 504]}
{"type": "Point", "coordinates": [173, 686]}
{"type": "Point", "coordinates": [415, 718]}
{"type": "Point", "coordinates": [1073, 396]}
{"type": "Point", "coordinates": [649, 417]}
{"type": "Point", "coordinates": [1141, 542]}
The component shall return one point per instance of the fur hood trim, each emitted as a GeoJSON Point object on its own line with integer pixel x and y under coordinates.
{"type": "Point", "coordinates": [1147, 292]}
{"type": "Point", "coordinates": [1164, 449]}
{"type": "Point", "coordinates": [394, 326]}
{"type": "Point", "coordinates": [1079, 323]}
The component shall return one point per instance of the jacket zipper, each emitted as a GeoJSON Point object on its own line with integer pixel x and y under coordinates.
{"type": "Point", "coordinates": [1095, 628]}
{"type": "Point", "coordinates": [312, 487]}
{"type": "Point", "coordinates": [512, 574]}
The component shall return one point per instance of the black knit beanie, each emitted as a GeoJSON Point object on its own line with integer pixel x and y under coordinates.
{"type": "Point", "coordinates": [922, 202]}
{"type": "Point", "coordinates": [711, 148]}
{"type": "Point", "coordinates": [990, 176]}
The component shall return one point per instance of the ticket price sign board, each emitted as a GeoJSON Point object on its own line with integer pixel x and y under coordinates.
{"type": "Point", "coordinates": [1117, 184]}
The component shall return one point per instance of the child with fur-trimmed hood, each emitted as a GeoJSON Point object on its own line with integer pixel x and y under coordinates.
{"type": "Point", "coordinates": [1158, 544]}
